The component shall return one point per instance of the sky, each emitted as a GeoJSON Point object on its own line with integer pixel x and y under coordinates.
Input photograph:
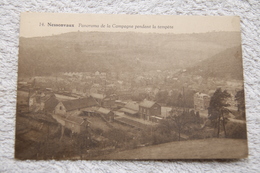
{"type": "Point", "coordinates": [42, 24]}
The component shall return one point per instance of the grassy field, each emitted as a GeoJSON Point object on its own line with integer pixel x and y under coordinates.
{"type": "Point", "coordinates": [213, 148]}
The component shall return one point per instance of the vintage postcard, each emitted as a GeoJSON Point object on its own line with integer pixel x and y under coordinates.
{"type": "Point", "coordinates": [102, 87]}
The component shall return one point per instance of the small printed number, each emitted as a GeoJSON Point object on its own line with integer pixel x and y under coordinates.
{"type": "Point", "coordinates": [41, 24]}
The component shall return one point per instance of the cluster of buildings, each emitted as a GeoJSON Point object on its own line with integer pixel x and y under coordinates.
{"type": "Point", "coordinates": [83, 84]}
{"type": "Point", "coordinates": [75, 96]}
{"type": "Point", "coordinates": [73, 113]}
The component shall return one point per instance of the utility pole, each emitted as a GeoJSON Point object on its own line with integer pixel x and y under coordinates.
{"type": "Point", "coordinates": [105, 86]}
{"type": "Point", "coordinates": [56, 82]}
{"type": "Point", "coordinates": [183, 99]}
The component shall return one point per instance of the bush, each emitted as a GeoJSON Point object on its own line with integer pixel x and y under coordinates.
{"type": "Point", "coordinates": [98, 131]}
{"type": "Point", "coordinates": [236, 130]}
{"type": "Point", "coordinates": [202, 134]}
{"type": "Point", "coordinates": [159, 138]}
{"type": "Point", "coordinates": [117, 135]}
{"type": "Point", "coordinates": [67, 132]}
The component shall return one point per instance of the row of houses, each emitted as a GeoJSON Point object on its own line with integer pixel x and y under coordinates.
{"type": "Point", "coordinates": [145, 110]}
{"type": "Point", "coordinates": [38, 100]}
{"type": "Point", "coordinates": [71, 113]}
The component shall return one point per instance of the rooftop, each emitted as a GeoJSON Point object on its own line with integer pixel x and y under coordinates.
{"type": "Point", "coordinates": [128, 111]}
{"type": "Point", "coordinates": [79, 103]}
{"type": "Point", "coordinates": [147, 103]}
{"type": "Point", "coordinates": [202, 94]}
{"type": "Point", "coordinates": [97, 96]}
{"type": "Point", "coordinates": [75, 119]}
{"type": "Point", "coordinates": [103, 110]}
{"type": "Point", "coordinates": [51, 103]}
{"type": "Point", "coordinates": [132, 105]}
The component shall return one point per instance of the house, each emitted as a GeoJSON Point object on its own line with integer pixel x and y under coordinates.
{"type": "Point", "coordinates": [105, 113]}
{"type": "Point", "coordinates": [22, 98]}
{"type": "Point", "coordinates": [97, 73]}
{"type": "Point", "coordinates": [201, 101]}
{"type": "Point", "coordinates": [74, 123]}
{"type": "Point", "coordinates": [50, 105]}
{"type": "Point", "coordinates": [38, 100]}
{"type": "Point", "coordinates": [103, 75]}
{"type": "Point", "coordinates": [34, 101]}
{"type": "Point", "coordinates": [76, 105]}
{"type": "Point", "coordinates": [165, 111]}
{"type": "Point", "coordinates": [109, 102]}
{"type": "Point", "coordinates": [233, 104]}
{"type": "Point", "coordinates": [119, 104]}
{"type": "Point", "coordinates": [131, 109]}
{"type": "Point", "coordinates": [90, 111]}
{"type": "Point", "coordinates": [149, 108]}
{"type": "Point", "coordinates": [22, 101]}
{"type": "Point", "coordinates": [98, 97]}
{"type": "Point", "coordinates": [103, 100]}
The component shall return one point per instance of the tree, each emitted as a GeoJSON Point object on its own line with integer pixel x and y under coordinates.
{"type": "Point", "coordinates": [82, 142]}
{"type": "Point", "coordinates": [161, 96]}
{"type": "Point", "coordinates": [218, 108]}
{"type": "Point", "coordinates": [180, 101]}
{"type": "Point", "coordinates": [173, 99]}
{"type": "Point", "coordinates": [240, 98]}
{"type": "Point", "coordinates": [140, 96]}
{"type": "Point", "coordinates": [179, 120]}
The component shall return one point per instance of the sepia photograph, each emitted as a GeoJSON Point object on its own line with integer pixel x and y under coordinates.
{"type": "Point", "coordinates": [130, 87]}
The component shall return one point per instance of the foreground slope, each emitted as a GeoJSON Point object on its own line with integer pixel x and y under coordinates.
{"type": "Point", "coordinates": [214, 148]}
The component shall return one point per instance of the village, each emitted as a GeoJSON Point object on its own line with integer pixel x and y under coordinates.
{"type": "Point", "coordinates": [115, 111]}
